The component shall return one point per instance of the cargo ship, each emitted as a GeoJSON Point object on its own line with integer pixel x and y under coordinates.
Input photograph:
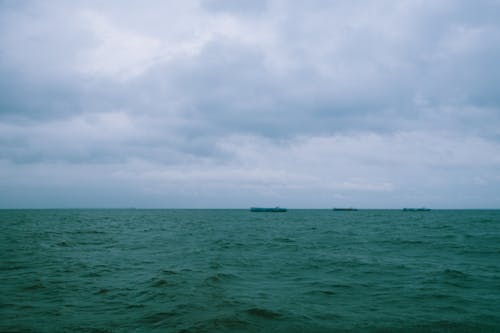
{"type": "Point", "coordinates": [344, 209]}
{"type": "Point", "coordinates": [270, 210]}
{"type": "Point", "coordinates": [416, 209]}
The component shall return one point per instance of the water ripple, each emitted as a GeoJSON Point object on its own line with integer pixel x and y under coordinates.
{"type": "Point", "coordinates": [231, 270]}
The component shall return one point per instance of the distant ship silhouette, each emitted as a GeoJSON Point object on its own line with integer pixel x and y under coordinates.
{"type": "Point", "coordinates": [265, 209]}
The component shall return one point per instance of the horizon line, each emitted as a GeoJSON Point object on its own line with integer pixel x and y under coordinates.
{"type": "Point", "coordinates": [223, 208]}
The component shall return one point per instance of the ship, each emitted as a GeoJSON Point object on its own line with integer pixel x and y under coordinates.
{"type": "Point", "coordinates": [344, 209]}
{"type": "Point", "coordinates": [416, 209]}
{"type": "Point", "coordinates": [269, 210]}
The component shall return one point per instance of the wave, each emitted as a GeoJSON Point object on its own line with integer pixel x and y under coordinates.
{"type": "Point", "coordinates": [221, 323]}
{"type": "Point", "coordinates": [264, 313]}
{"type": "Point", "coordinates": [196, 271]}
{"type": "Point", "coordinates": [220, 277]}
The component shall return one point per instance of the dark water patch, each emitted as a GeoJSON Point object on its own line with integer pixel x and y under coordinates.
{"type": "Point", "coordinates": [342, 286]}
{"type": "Point", "coordinates": [232, 322]}
{"type": "Point", "coordinates": [227, 244]}
{"type": "Point", "coordinates": [454, 274]}
{"type": "Point", "coordinates": [89, 330]}
{"type": "Point", "coordinates": [440, 327]}
{"type": "Point", "coordinates": [321, 292]}
{"type": "Point", "coordinates": [328, 316]}
{"type": "Point", "coordinates": [220, 277]}
{"type": "Point", "coordinates": [19, 330]}
{"type": "Point", "coordinates": [9, 267]}
{"type": "Point", "coordinates": [221, 323]}
{"type": "Point", "coordinates": [283, 240]}
{"type": "Point", "coordinates": [64, 244]}
{"type": "Point", "coordinates": [486, 220]}
{"type": "Point", "coordinates": [160, 283]}
{"type": "Point", "coordinates": [158, 317]}
{"type": "Point", "coordinates": [263, 313]}
{"type": "Point", "coordinates": [215, 265]}
{"type": "Point", "coordinates": [91, 275]}
{"type": "Point", "coordinates": [436, 296]}
{"type": "Point", "coordinates": [404, 242]}
{"type": "Point", "coordinates": [452, 309]}
{"type": "Point", "coordinates": [34, 287]}
{"type": "Point", "coordinates": [87, 232]}
{"type": "Point", "coordinates": [135, 306]}
{"type": "Point", "coordinates": [102, 291]}
{"type": "Point", "coordinates": [168, 272]}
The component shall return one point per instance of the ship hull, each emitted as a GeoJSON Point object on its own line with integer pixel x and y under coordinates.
{"type": "Point", "coordinates": [268, 210]}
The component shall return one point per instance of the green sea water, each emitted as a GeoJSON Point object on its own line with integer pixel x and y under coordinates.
{"type": "Point", "coordinates": [237, 271]}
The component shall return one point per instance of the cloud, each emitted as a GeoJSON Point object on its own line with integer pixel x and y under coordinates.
{"type": "Point", "coordinates": [369, 170]}
{"type": "Point", "coordinates": [260, 99]}
{"type": "Point", "coordinates": [244, 7]}
{"type": "Point", "coordinates": [119, 54]}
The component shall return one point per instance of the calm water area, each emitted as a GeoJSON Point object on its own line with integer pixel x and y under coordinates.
{"type": "Point", "coordinates": [136, 270]}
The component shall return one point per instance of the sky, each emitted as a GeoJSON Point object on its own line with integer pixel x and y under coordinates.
{"type": "Point", "coordinates": [239, 103]}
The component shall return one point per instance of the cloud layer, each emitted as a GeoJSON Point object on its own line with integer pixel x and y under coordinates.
{"type": "Point", "coordinates": [232, 104]}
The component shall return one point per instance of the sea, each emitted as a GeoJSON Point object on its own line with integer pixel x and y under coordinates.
{"type": "Point", "coordinates": [134, 270]}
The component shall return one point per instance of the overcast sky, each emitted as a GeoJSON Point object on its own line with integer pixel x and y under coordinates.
{"type": "Point", "coordinates": [239, 103]}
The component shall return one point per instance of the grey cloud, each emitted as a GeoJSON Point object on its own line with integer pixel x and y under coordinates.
{"type": "Point", "coordinates": [338, 66]}
{"type": "Point", "coordinates": [168, 83]}
{"type": "Point", "coordinates": [240, 7]}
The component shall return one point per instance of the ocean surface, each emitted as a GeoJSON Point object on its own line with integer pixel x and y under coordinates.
{"type": "Point", "coordinates": [236, 271]}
